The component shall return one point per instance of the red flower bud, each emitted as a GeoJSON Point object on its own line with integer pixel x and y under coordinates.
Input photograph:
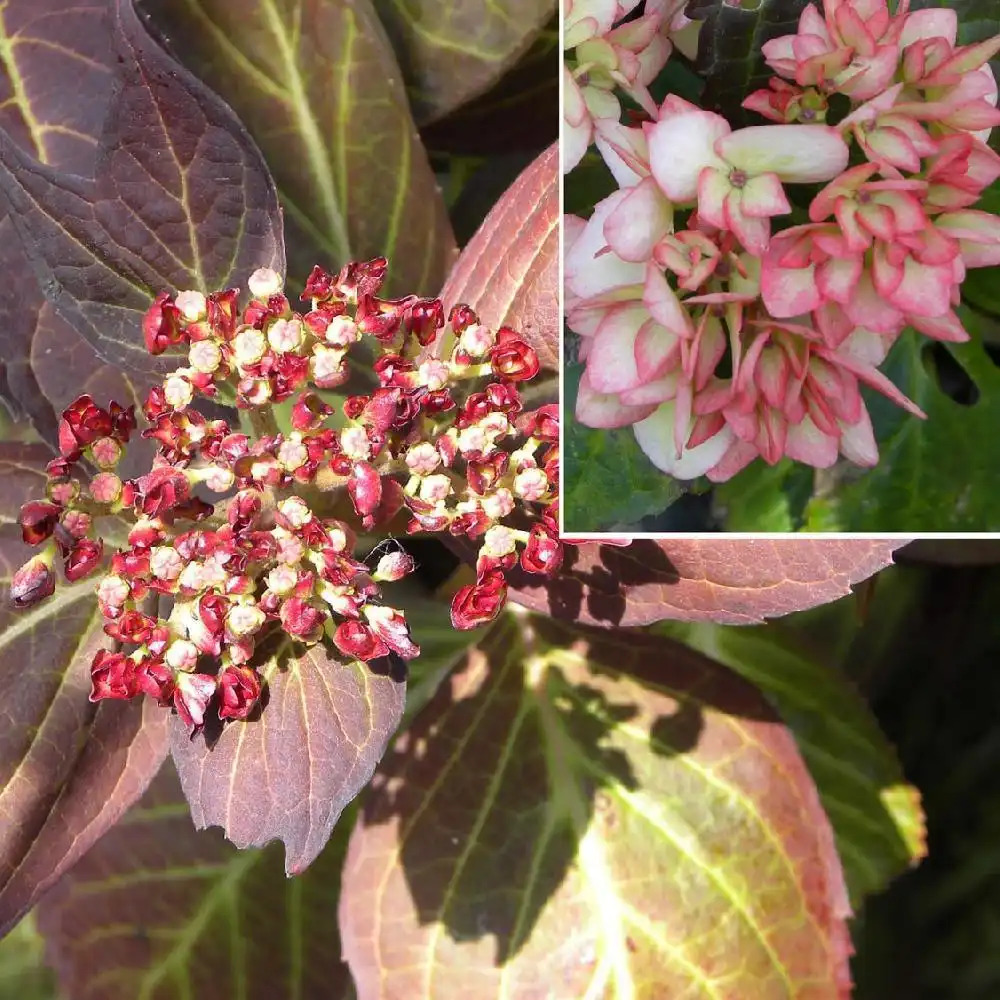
{"type": "Point", "coordinates": [514, 360]}
{"type": "Point", "coordinates": [309, 412]}
{"type": "Point", "coordinates": [356, 640]}
{"type": "Point", "coordinates": [479, 603]}
{"type": "Point", "coordinates": [319, 285]}
{"type": "Point", "coordinates": [542, 423]}
{"type": "Point", "coordinates": [302, 620]}
{"type": "Point", "coordinates": [425, 319]}
{"type": "Point", "coordinates": [38, 521]}
{"type": "Point", "coordinates": [160, 490]}
{"type": "Point", "coordinates": [133, 626]}
{"type": "Point", "coordinates": [33, 582]}
{"type": "Point", "coordinates": [360, 278]}
{"type": "Point", "coordinates": [191, 697]}
{"type": "Point", "coordinates": [543, 553]}
{"type": "Point", "coordinates": [83, 421]}
{"type": "Point", "coordinates": [390, 626]}
{"type": "Point", "coordinates": [483, 476]}
{"type": "Point", "coordinates": [393, 566]}
{"type": "Point", "coordinates": [504, 397]}
{"type": "Point", "coordinates": [380, 411]}
{"type": "Point", "coordinates": [365, 488]}
{"type": "Point", "coordinates": [112, 675]}
{"type": "Point", "coordinates": [161, 326]}
{"type": "Point", "coordinates": [460, 317]}
{"type": "Point", "coordinates": [239, 691]}
{"type": "Point", "coordinates": [83, 559]}
{"type": "Point", "coordinates": [244, 510]}
{"type": "Point", "coordinates": [223, 312]}
{"type": "Point", "coordinates": [155, 678]}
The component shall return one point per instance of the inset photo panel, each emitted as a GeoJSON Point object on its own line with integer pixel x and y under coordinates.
{"type": "Point", "coordinates": [781, 268]}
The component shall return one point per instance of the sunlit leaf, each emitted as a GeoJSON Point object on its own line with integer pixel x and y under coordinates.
{"type": "Point", "coordinates": [452, 51]}
{"type": "Point", "coordinates": [180, 198]}
{"type": "Point", "coordinates": [876, 815]}
{"type": "Point", "coordinates": [319, 88]}
{"type": "Point", "coordinates": [68, 768]}
{"type": "Point", "coordinates": [158, 909]}
{"type": "Point", "coordinates": [736, 582]}
{"type": "Point", "coordinates": [23, 973]}
{"type": "Point", "coordinates": [589, 813]}
{"type": "Point", "coordinates": [509, 271]}
{"type": "Point", "coordinates": [288, 774]}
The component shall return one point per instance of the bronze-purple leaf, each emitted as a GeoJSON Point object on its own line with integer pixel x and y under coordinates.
{"type": "Point", "coordinates": [509, 271]}
{"type": "Point", "coordinates": [68, 768]}
{"type": "Point", "coordinates": [288, 773]}
{"type": "Point", "coordinates": [735, 582]}
{"type": "Point", "coordinates": [319, 88]}
{"type": "Point", "coordinates": [454, 50]}
{"type": "Point", "coordinates": [585, 812]}
{"type": "Point", "coordinates": [179, 912]}
{"type": "Point", "coordinates": [180, 198]}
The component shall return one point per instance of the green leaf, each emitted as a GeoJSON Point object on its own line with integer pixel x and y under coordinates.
{"type": "Point", "coordinates": [180, 198]}
{"type": "Point", "coordinates": [609, 482]}
{"type": "Point", "coordinates": [757, 498]}
{"type": "Point", "coordinates": [939, 474]}
{"type": "Point", "coordinates": [729, 49]}
{"type": "Point", "coordinates": [318, 86]}
{"type": "Point", "coordinates": [289, 773]}
{"type": "Point", "coordinates": [876, 816]}
{"type": "Point", "coordinates": [68, 768]}
{"type": "Point", "coordinates": [589, 813]}
{"type": "Point", "coordinates": [158, 909]}
{"type": "Point", "coordinates": [454, 50]}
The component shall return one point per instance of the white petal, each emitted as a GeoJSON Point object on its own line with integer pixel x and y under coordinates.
{"type": "Point", "coordinates": [681, 146]}
{"type": "Point", "coordinates": [802, 154]}
{"type": "Point", "coordinates": [655, 435]}
{"type": "Point", "coordinates": [590, 272]}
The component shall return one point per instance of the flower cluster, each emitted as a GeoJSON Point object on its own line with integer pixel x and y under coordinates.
{"type": "Point", "coordinates": [721, 342]}
{"type": "Point", "coordinates": [228, 524]}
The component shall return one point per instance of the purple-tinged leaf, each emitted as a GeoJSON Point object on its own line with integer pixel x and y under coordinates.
{"type": "Point", "coordinates": [319, 88]}
{"type": "Point", "coordinates": [180, 913]}
{"type": "Point", "coordinates": [509, 271]}
{"type": "Point", "coordinates": [68, 768]}
{"type": "Point", "coordinates": [453, 51]}
{"type": "Point", "coordinates": [583, 812]}
{"type": "Point", "coordinates": [734, 582]}
{"type": "Point", "coordinates": [288, 773]}
{"type": "Point", "coordinates": [180, 198]}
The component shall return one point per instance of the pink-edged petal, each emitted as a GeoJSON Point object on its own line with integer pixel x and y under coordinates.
{"type": "Point", "coordinates": [800, 154]}
{"type": "Point", "coordinates": [869, 309]}
{"type": "Point", "coordinates": [787, 291]}
{"type": "Point", "coordinates": [574, 142]}
{"type": "Point", "coordinates": [978, 235]}
{"type": "Point", "coordinates": [837, 279]}
{"type": "Point", "coordinates": [639, 221]}
{"type": "Point", "coordinates": [753, 234]}
{"type": "Point", "coordinates": [948, 327]}
{"type": "Point", "coordinates": [664, 306]}
{"type": "Point", "coordinates": [763, 197]}
{"type": "Point", "coordinates": [656, 350]}
{"type": "Point", "coordinates": [868, 77]}
{"type": "Point", "coordinates": [680, 147]}
{"type": "Point", "coordinates": [655, 436]}
{"type": "Point", "coordinates": [934, 22]}
{"type": "Point", "coordinates": [738, 456]}
{"type": "Point", "coordinates": [713, 190]}
{"type": "Point", "coordinates": [605, 411]}
{"type": "Point", "coordinates": [611, 366]}
{"type": "Point", "coordinates": [590, 269]}
{"type": "Point", "coordinates": [924, 290]}
{"type": "Point", "coordinates": [652, 393]}
{"type": "Point", "coordinates": [807, 443]}
{"type": "Point", "coordinates": [623, 150]}
{"type": "Point", "coordinates": [871, 377]}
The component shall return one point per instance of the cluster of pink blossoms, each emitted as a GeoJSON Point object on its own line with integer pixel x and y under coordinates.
{"type": "Point", "coordinates": [720, 342]}
{"type": "Point", "coordinates": [443, 436]}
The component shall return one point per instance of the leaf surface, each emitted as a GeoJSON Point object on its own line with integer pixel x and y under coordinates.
{"type": "Point", "coordinates": [509, 271]}
{"type": "Point", "coordinates": [159, 909]}
{"type": "Point", "coordinates": [180, 198]}
{"type": "Point", "coordinates": [453, 50]}
{"type": "Point", "coordinates": [592, 813]}
{"type": "Point", "coordinates": [318, 86]}
{"type": "Point", "coordinates": [68, 768]}
{"type": "Point", "coordinates": [733, 582]}
{"type": "Point", "coordinates": [289, 773]}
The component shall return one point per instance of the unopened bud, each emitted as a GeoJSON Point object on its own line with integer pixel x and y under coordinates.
{"type": "Point", "coordinates": [264, 282]}
{"type": "Point", "coordinates": [249, 346]}
{"type": "Point", "coordinates": [193, 305]}
{"type": "Point", "coordinates": [285, 335]}
{"type": "Point", "coordinates": [393, 566]}
{"type": "Point", "coordinates": [34, 581]}
{"type": "Point", "coordinates": [205, 356]}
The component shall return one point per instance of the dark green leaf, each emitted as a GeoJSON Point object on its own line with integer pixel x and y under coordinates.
{"type": "Point", "coordinates": [23, 973]}
{"type": "Point", "coordinates": [180, 198]}
{"type": "Point", "coordinates": [592, 813]}
{"type": "Point", "coordinates": [729, 45]}
{"type": "Point", "coordinates": [608, 483]}
{"type": "Point", "coordinates": [317, 84]}
{"type": "Point", "coordinates": [454, 50]}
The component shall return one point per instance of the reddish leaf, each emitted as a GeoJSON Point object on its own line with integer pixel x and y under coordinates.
{"type": "Point", "coordinates": [180, 198]}
{"type": "Point", "coordinates": [453, 50]}
{"type": "Point", "coordinates": [736, 582]}
{"type": "Point", "coordinates": [554, 826]}
{"type": "Point", "coordinates": [318, 86]}
{"type": "Point", "coordinates": [68, 769]}
{"type": "Point", "coordinates": [288, 774]}
{"type": "Point", "coordinates": [509, 271]}
{"type": "Point", "coordinates": [181, 913]}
